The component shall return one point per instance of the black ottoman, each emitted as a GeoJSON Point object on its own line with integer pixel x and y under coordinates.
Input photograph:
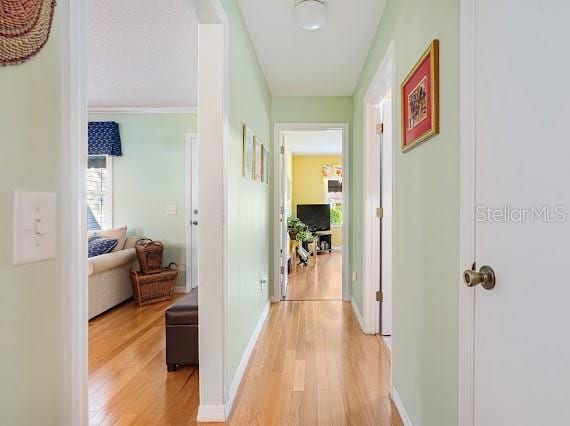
{"type": "Point", "coordinates": [182, 332]}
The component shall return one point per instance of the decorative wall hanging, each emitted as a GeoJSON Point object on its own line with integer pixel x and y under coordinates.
{"type": "Point", "coordinates": [265, 170]}
{"type": "Point", "coordinates": [420, 99]}
{"type": "Point", "coordinates": [258, 160]}
{"type": "Point", "coordinates": [24, 28]}
{"type": "Point", "coordinates": [332, 172]}
{"type": "Point", "coordinates": [247, 153]}
{"type": "Point", "coordinates": [103, 138]}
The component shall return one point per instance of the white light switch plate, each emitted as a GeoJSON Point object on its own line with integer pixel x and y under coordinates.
{"type": "Point", "coordinates": [171, 209]}
{"type": "Point", "coordinates": [34, 227]}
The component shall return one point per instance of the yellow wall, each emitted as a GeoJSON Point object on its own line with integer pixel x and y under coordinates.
{"type": "Point", "coordinates": [308, 185]}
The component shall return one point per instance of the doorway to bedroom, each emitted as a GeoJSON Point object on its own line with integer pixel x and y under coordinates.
{"type": "Point", "coordinates": [312, 212]}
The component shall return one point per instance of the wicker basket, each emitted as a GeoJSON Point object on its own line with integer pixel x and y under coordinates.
{"type": "Point", "coordinates": [149, 254]}
{"type": "Point", "coordinates": [155, 287]}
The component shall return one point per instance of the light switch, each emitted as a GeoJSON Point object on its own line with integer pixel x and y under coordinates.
{"type": "Point", "coordinates": [34, 227]}
{"type": "Point", "coordinates": [171, 209]}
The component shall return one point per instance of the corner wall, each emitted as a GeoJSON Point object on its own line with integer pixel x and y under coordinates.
{"type": "Point", "coordinates": [425, 298]}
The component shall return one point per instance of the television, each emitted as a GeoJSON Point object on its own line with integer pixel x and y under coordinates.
{"type": "Point", "coordinates": [316, 216]}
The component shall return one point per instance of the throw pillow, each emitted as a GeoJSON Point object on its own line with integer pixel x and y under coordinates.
{"type": "Point", "coordinates": [100, 246]}
{"type": "Point", "coordinates": [119, 234]}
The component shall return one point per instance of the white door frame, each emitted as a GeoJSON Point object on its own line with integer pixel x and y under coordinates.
{"type": "Point", "coordinates": [214, 380]}
{"type": "Point", "coordinates": [278, 129]}
{"type": "Point", "coordinates": [191, 164]}
{"type": "Point", "coordinates": [382, 82]}
{"type": "Point", "coordinates": [467, 145]}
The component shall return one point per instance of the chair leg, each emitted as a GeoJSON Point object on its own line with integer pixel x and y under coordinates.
{"type": "Point", "coordinates": [171, 367]}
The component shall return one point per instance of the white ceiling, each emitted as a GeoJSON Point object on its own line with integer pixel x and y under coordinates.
{"type": "Point", "coordinates": [142, 53]}
{"type": "Point", "coordinates": [326, 62]}
{"type": "Point", "coordinates": [314, 142]}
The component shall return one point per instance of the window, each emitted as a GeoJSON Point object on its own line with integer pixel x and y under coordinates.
{"type": "Point", "coordinates": [334, 198]}
{"type": "Point", "coordinates": [99, 193]}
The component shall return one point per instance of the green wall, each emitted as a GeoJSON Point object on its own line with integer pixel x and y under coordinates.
{"type": "Point", "coordinates": [151, 174]}
{"type": "Point", "coordinates": [31, 384]}
{"type": "Point", "coordinates": [426, 273]}
{"type": "Point", "coordinates": [249, 203]}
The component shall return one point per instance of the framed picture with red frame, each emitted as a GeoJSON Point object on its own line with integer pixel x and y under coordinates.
{"type": "Point", "coordinates": [420, 100]}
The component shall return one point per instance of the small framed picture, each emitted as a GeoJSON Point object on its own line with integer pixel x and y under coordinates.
{"type": "Point", "coordinates": [257, 160]}
{"type": "Point", "coordinates": [265, 168]}
{"type": "Point", "coordinates": [420, 100]}
{"type": "Point", "coordinates": [248, 155]}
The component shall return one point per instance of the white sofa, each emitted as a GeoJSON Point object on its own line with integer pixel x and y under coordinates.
{"type": "Point", "coordinates": [109, 278]}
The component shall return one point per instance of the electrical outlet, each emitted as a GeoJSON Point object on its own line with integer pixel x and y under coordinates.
{"type": "Point", "coordinates": [354, 276]}
{"type": "Point", "coordinates": [171, 209]}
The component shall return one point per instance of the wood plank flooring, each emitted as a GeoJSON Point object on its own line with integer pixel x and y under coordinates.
{"type": "Point", "coordinates": [311, 366]}
{"type": "Point", "coordinates": [321, 280]}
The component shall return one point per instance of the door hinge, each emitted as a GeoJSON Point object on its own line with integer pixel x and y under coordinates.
{"type": "Point", "coordinates": [380, 213]}
{"type": "Point", "coordinates": [282, 150]}
{"type": "Point", "coordinates": [282, 210]}
{"type": "Point", "coordinates": [282, 270]}
{"type": "Point", "coordinates": [379, 296]}
{"type": "Point", "coordinates": [380, 128]}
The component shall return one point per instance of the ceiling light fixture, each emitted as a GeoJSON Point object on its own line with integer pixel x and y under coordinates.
{"type": "Point", "coordinates": [311, 14]}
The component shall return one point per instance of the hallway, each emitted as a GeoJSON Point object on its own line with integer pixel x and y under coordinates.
{"type": "Point", "coordinates": [313, 365]}
{"type": "Point", "coordinates": [318, 281]}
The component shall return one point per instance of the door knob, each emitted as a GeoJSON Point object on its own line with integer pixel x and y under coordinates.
{"type": "Point", "coordinates": [195, 222]}
{"type": "Point", "coordinates": [485, 277]}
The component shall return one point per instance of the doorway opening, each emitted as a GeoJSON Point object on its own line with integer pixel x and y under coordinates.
{"type": "Point", "coordinates": [378, 201]}
{"type": "Point", "coordinates": [312, 220]}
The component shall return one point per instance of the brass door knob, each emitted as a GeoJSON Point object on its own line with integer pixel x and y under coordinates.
{"type": "Point", "coordinates": [485, 277]}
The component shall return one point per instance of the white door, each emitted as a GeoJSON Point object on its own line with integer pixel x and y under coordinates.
{"type": "Point", "coordinates": [522, 195]}
{"type": "Point", "coordinates": [283, 217]}
{"type": "Point", "coordinates": [193, 213]}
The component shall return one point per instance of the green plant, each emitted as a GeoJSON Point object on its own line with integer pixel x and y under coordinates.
{"type": "Point", "coordinates": [336, 214]}
{"type": "Point", "coordinates": [304, 236]}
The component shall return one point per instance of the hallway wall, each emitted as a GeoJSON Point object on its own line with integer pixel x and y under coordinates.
{"type": "Point", "coordinates": [31, 382]}
{"type": "Point", "coordinates": [249, 202]}
{"type": "Point", "coordinates": [426, 274]}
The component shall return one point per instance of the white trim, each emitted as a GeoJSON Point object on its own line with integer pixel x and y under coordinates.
{"type": "Point", "coordinates": [278, 128]}
{"type": "Point", "coordinates": [245, 360]}
{"type": "Point", "coordinates": [143, 110]}
{"type": "Point", "coordinates": [383, 80]}
{"type": "Point", "coordinates": [73, 15]}
{"type": "Point", "coordinates": [406, 420]}
{"type": "Point", "coordinates": [337, 248]}
{"type": "Point", "coordinates": [357, 314]}
{"type": "Point", "coordinates": [211, 413]}
{"type": "Point", "coordinates": [467, 146]}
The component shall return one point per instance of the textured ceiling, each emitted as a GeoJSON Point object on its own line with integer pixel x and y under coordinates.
{"type": "Point", "coordinates": [314, 142]}
{"type": "Point", "coordinates": [142, 53]}
{"type": "Point", "coordinates": [326, 62]}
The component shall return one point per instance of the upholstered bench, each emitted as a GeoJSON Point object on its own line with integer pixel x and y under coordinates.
{"type": "Point", "coordinates": [182, 332]}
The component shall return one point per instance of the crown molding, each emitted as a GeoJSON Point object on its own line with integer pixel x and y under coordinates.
{"type": "Point", "coordinates": [143, 110]}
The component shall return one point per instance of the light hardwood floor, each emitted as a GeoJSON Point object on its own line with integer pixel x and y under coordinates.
{"type": "Point", "coordinates": [311, 366]}
{"type": "Point", "coordinates": [321, 280]}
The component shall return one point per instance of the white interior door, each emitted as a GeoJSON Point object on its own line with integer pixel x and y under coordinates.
{"type": "Point", "coordinates": [283, 217]}
{"type": "Point", "coordinates": [192, 222]}
{"type": "Point", "coordinates": [522, 195]}
{"type": "Point", "coordinates": [386, 223]}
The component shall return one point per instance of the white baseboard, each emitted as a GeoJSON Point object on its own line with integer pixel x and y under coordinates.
{"type": "Point", "coordinates": [358, 314]}
{"type": "Point", "coordinates": [275, 299]}
{"type": "Point", "coordinates": [211, 413]}
{"type": "Point", "coordinates": [406, 420]}
{"type": "Point", "coordinates": [180, 290]}
{"type": "Point", "coordinates": [244, 361]}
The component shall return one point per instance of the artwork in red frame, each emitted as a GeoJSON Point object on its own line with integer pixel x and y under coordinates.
{"type": "Point", "coordinates": [420, 99]}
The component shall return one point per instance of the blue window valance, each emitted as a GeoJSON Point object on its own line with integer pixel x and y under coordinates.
{"type": "Point", "coordinates": [104, 138]}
